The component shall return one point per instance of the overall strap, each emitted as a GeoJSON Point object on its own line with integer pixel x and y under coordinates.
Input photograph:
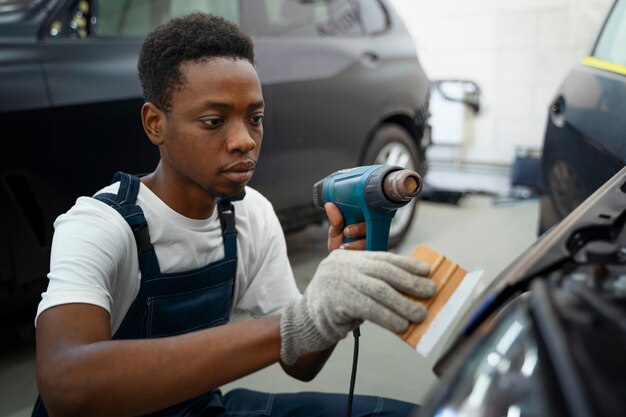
{"type": "Point", "coordinates": [124, 202]}
{"type": "Point", "coordinates": [226, 213]}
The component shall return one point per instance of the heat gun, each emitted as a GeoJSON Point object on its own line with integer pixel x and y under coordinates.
{"type": "Point", "coordinates": [372, 194]}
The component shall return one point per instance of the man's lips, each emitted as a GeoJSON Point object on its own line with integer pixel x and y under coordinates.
{"type": "Point", "coordinates": [240, 172]}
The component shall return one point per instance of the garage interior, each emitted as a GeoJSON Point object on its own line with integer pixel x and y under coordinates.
{"type": "Point", "coordinates": [484, 216]}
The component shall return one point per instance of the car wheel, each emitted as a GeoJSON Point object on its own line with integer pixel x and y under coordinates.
{"type": "Point", "coordinates": [392, 145]}
{"type": "Point", "coordinates": [566, 186]}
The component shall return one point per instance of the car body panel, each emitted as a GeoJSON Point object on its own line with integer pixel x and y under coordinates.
{"type": "Point", "coordinates": [111, 66]}
{"type": "Point", "coordinates": [594, 102]}
{"type": "Point", "coordinates": [21, 79]}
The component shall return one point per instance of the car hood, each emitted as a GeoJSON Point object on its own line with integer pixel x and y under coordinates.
{"type": "Point", "coordinates": [594, 232]}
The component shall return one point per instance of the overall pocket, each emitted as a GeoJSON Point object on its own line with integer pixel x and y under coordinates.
{"type": "Point", "coordinates": [179, 313]}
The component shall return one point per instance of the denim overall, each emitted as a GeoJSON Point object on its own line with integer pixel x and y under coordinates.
{"type": "Point", "coordinates": [171, 304]}
{"type": "Point", "coordinates": [176, 303]}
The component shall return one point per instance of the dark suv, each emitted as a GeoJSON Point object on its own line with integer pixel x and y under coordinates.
{"type": "Point", "coordinates": [341, 80]}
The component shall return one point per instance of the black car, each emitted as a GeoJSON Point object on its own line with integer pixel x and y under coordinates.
{"type": "Point", "coordinates": [341, 79]}
{"type": "Point", "coordinates": [548, 337]}
{"type": "Point", "coordinates": [585, 137]}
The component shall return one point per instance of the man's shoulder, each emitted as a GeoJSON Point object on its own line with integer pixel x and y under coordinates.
{"type": "Point", "coordinates": [109, 189]}
{"type": "Point", "coordinates": [87, 208]}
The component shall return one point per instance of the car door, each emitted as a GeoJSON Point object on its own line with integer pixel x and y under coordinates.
{"type": "Point", "coordinates": [314, 61]}
{"type": "Point", "coordinates": [89, 57]}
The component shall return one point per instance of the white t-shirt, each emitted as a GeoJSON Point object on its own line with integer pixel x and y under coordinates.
{"type": "Point", "coordinates": [94, 254]}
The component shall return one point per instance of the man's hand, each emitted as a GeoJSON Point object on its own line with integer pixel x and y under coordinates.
{"type": "Point", "coordinates": [347, 288]}
{"type": "Point", "coordinates": [338, 231]}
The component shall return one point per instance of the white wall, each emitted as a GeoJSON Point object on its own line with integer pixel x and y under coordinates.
{"type": "Point", "coordinates": [518, 51]}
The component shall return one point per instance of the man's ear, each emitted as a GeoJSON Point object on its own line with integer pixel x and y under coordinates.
{"type": "Point", "coordinates": [153, 120]}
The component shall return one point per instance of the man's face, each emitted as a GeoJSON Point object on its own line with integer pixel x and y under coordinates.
{"type": "Point", "coordinates": [214, 130]}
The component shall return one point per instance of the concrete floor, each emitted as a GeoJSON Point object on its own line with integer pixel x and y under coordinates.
{"type": "Point", "coordinates": [480, 233]}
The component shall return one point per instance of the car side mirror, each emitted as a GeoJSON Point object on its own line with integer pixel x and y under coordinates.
{"type": "Point", "coordinates": [461, 91]}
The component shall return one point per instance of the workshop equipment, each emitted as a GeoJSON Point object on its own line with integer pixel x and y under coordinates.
{"type": "Point", "coordinates": [370, 194]}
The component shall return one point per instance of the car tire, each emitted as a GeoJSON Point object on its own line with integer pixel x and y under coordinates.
{"type": "Point", "coordinates": [566, 186]}
{"type": "Point", "coordinates": [392, 144]}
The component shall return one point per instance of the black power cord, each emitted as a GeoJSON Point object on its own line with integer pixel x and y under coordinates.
{"type": "Point", "coordinates": [355, 358]}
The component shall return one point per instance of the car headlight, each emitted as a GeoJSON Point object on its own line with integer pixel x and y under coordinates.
{"type": "Point", "coordinates": [504, 373]}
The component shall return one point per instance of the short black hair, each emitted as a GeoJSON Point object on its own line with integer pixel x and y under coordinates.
{"type": "Point", "coordinates": [193, 37]}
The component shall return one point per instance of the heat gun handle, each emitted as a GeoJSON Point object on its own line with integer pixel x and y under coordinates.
{"type": "Point", "coordinates": [377, 232]}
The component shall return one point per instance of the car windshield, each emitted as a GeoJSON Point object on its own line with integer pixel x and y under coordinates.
{"type": "Point", "coordinates": [611, 44]}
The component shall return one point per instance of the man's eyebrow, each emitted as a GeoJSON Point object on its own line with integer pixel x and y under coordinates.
{"type": "Point", "coordinates": [256, 105]}
{"type": "Point", "coordinates": [218, 105]}
{"type": "Point", "coordinates": [227, 106]}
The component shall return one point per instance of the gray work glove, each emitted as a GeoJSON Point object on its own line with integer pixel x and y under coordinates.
{"type": "Point", "coordinates": [347, 288]}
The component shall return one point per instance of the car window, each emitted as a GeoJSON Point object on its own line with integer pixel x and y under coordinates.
{"type": "Point", "coordinates": [302, 18]}
{"type": "Point", "coordinates": [137, 18]}
{"type": "Point", "coordinates": [611, 46]}
{"type": "Point", "coordinates": [373, 16]}
{"type": "Point", "coordinates": [129, 18]}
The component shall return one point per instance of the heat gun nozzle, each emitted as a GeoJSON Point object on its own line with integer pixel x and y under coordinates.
{"type": "Point", "coordinates": [402, 185]}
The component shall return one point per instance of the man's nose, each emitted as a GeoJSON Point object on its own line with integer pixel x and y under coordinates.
{"type": "Point", "coordinates": [241, 139]}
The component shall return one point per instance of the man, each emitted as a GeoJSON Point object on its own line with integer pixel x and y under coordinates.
{"type": "Point", "coordinates": [145, 274]}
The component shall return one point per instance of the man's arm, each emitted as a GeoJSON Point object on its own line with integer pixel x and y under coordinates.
{"type": "Point", "coordinates": [81, 371]}
{"type": "Point", "coordinates": [309, 365]}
